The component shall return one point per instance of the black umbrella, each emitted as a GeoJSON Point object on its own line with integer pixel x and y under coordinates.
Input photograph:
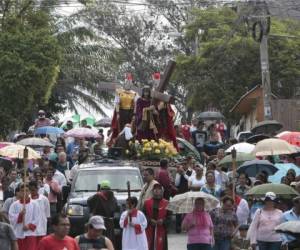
{"type": "Point", "coordinates": [252, 168]}
{"type": "Point", "coordinates": [256, 138]}
{"type": "Point", "coordinates": [266, 127]}
{"type": "Point", "coordinates": [210, 115]}
{"type": "Point", "coordinates": [6, 163]}
{"type": "Point", "coordinates": [104, 122]}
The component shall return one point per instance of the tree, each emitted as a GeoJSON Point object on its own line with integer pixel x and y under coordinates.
{"type": "Point", "coordinates": [228, 63]}
{"type": "Point", "coordinates": [29, 63]}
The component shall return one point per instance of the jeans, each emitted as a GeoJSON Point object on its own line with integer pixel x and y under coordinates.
{"type": "Point", "coordinates": [222, 244]}
{"type": "Point", "coordinates": [198, 246]}
{"type": "Point", "coordinates": [264, 245]}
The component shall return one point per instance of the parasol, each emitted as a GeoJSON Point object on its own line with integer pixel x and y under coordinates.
{"type": "Point", "coordinates": [242, 147]}
{"type": "Point", "coordinates": [266, 127]}
{"type": "Point", "coordinates": [35, 142]}
{"type": "Point", "coordinates": [48, 130]}
{"type": "Point", "coordinates": [273, 146]}
{"type": "Point", "coordinates": [240, 159]}
{"type": "Point", "coordinates": [252, 168]}
{"type": "Point", "coordinates": [184, 203]}
{"type": "Point", "coordinates": [210, 115]}
{"type": "Point", "coordinates": [17, 152]}
{"type": "Point", "coordinates": [82, 133]}
{"type": "Point", "coordinates": [281, 190]}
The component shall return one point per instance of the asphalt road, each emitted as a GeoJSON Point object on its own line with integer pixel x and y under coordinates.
{"type": "Point", "coordinates": [177, 241]}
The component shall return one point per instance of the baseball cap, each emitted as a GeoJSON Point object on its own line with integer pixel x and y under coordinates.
{"type": "Point", "coordinates": [105, 184]}
{"type": "Point", "coordinates": [270, 196]}
{"type": "Point", "coordinates": [97, 222]}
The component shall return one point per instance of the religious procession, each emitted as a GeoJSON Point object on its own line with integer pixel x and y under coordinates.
{"type": "Point", "coordinates": [74, 187]}
{"type": "Point", "coordinates": [149, 125]}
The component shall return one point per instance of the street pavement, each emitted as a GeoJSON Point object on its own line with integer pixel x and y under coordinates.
{"type": "Point", "coordinates": [177, 241]}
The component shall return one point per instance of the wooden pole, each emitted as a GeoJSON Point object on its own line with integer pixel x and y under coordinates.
{"type": "Point", "coordinates": [233, 155]}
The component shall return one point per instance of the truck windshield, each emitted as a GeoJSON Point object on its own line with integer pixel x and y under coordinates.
{"type": "Point", "coordinates": [88, 180]}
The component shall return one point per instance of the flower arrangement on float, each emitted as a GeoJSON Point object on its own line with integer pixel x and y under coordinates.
{"type": "Point", "coordinates": [151, 149]}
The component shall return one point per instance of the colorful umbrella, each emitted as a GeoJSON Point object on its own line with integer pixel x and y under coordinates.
{"type": "Point", "coordinates": [82, 133]}
{"type": "Point", "coordinates": [252, 168]}
{"type": "Point", "coordinates": [273, 146]}
{"type": "Point", "coordinates": [242, 147]}
{"type": "Point", "coordinates": [16, 152]}
{"type": "Point", "coordinates": [184, 203]}
{"type": "Point", "coordinates": [48, 130]}
{"type": "Point", "coordinates": [240, 159]}
{"type": "Point", "coordinates": [281, 190]}
{"type": "Point", "coordinates": [35, 142]}
{"type": "Point", "coordinates": [292, 138]}
{"type": "Point", "coordinates": [4, 144]}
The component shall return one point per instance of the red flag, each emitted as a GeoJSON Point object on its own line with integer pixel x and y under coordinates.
{"type": "Point", "coordinates": [156, 76]}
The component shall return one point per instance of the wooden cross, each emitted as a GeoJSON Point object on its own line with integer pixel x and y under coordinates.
{"type": "Point", "coordinates": [157, 93]}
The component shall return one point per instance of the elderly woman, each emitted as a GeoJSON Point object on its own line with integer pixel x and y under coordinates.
{"type": "Point", "coordinates": [199, 227]}
{"type": "Point", "coordinates": [261, 231]}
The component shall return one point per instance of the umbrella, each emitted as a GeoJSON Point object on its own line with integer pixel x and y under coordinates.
{"type": "Point", "coordinates": [240, 159]}
{"type": "Point", "coordinates": [266, 127]}
{"type": "Point", "coordinates": [252, 168]}
{"type": "Point", "coordinates": [210, 115]}
{"type": "Point", "coordinates": [82, 133]}
{"type": "Point", "coordinates": [4, 144]}
{"type": "Point", "coordinates": [242, 147]}
{"type": "Point", "coordinates": [104, 122]}
{"type": "Point", "coordinates": [291, 137]}
{"type": "Point", "coordinates": [184, 203]}
{"type": "Point", "coordinates": [282, 133]}
{"type": "Point", "coordinates": [48, 130]}
{"type": "Point", "coordinates": [273, 146]}
{"type": "Point", "coordinates": [282, 170]}
{"type": "Point", "coordinates": [257, 138]}
{"type": "Point", "coordinates": [292, 227]}
{"type": "Point", "coordinates": [281, 190]}
{"type": "Point", "coordinates": [16, 152]}
{"type": "Point", "coordinates": [35, 142]}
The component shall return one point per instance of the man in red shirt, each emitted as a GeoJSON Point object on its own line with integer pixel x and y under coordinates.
{"type": "Point", "coordinates": [59, 239]}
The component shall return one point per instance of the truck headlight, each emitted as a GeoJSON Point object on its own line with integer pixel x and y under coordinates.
{"type": "Point", "coordinates": [75, 210]}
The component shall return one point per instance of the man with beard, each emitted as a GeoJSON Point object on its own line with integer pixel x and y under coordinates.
{"type": "Point", "coordinates": [157, 215]}
{"type": "Point", "coordinates": [104, 203]}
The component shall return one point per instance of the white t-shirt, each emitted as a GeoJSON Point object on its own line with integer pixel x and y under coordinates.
{"type": "Point", "coordinates": [195, 183]}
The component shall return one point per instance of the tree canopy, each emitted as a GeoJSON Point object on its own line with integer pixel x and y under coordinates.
{"type": "Point", "coordinates": [29, 63]}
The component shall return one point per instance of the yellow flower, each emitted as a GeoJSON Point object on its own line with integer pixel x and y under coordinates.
{"type": "Point", "coordinates": [138, 155]}
{"type": "Point", "coordinates": [157, 151]}
{"type": "Point", "coordinates": [155, 144]}
{"type": "Point", "coordinates": [147, 145]}
{"type": "Point", "coordinates": [137, 142]}
{"type": "Point", "coordinates": [130, 143]}
{"type": "Point", "coordinates": [144, 140]}
{"type": "Point", "coordinates": [167, 151]}
{"type": "Point", "coordinates": [127, 151]}
{"type": "Point", "coordinates": [152, 141]}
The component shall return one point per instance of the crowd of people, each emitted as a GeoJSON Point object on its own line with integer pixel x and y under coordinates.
{"type": "Point", "coordinates": [32, 214]}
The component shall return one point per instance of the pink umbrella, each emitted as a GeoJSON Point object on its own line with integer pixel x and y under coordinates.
{"type": "Point", "coordinates": [82, 133]}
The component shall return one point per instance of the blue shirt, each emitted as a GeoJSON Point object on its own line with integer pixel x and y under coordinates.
{"type": "Point", "coordinates": [289, 216]}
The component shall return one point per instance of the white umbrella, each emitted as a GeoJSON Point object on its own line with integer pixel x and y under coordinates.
{"type": "Point", "coordinates": [273, 146]}
{"type": "Point", "coordinates": [289, 227]}
{"type": "Point", "coordinates": [35, 142]}
{"type": "Point", "coordinates": [82, 133]}
{"type": "Point", "coordinates": [184, 203]}
{"type": "Point", "coordinates": [242, 147]}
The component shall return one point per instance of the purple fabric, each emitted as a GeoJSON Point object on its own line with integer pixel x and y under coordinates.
{"type": "Point", "coordinates": [140, 105]}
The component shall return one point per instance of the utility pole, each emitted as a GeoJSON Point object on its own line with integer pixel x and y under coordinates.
{"type": "Point", "coordinates": [260, 32]}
